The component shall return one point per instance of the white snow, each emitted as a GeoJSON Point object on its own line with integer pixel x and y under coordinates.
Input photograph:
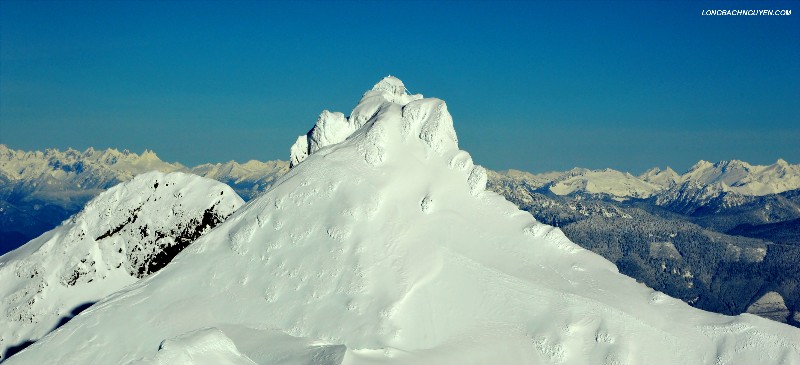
{"type": "Point", "coordinates": [746, 179]}
{"type": "Point", "coordinates": [343, 258]}
{"type": "Point", "coordinates": [702, 183]}
{"type": "Point", "coordinates": [208, 346]}
{"type": "Point", "coordinates": [332, 128]}
{"type": "Point", "coordinates": [663, 178]}
{"type": "Point", "coordinates": [614, 183]}
{"type": "Point", "coordinates": [112, 242]}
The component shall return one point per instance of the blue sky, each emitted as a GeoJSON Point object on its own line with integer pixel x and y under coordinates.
{"type": "Point", "coordinates": [533, 85]}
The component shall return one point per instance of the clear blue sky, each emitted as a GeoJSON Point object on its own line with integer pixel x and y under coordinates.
{"type": "Point", "coordinates": [533, 85]}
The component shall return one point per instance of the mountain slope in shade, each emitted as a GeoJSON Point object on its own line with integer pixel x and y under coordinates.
{"type": "Point", "coordinates": [126, 233]}
{"type": "Point", "coordinates": [385, 248]}
{"type": "Point", "coordinates": [18, 225]}
{"type": "Point", "coordinates": [786, 232]}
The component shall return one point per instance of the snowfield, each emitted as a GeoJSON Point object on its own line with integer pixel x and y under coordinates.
{"type": "Point", "coordinates": [381, 246]}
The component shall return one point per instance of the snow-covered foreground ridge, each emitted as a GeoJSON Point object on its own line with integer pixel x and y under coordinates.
{"type": "Point", "coordinates": [383, 247]}
{"type": "Point", "coordinates": [126, 233]}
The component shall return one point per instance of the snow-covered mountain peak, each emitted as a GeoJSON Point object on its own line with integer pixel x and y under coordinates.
{"type": "Point", "coordinates": [663, 178]}
{"type": "Point", "coordinates": [383, 248]}
{"type": "Point", "coordinates": [393, 90]}
{"type": "Point", "coordinates": [735, 162]}
{"type": "Point", "coordinates": [391, 85]}
{"type": "Point", "coordinates": [702, 164]}
{"type": "Point", "coordinates": [651, 172]}
{"type": "Point", "coordinates": [128, 232]}
{"type": "Point", "coordinates": [149, 155]}
{"type": "Point", "coordinates": [397, 123]}
{"type": "Point", "coordinates": [387, 101]}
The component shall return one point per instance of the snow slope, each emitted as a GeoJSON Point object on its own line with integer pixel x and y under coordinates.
{"type": "Point", "coordinates": [384, 248]}
{"type": "Point", "coordinates": [126, 233]}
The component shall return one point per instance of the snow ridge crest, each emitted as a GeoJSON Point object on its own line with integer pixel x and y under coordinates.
{"type": "Point", "coordinates": [333, 127]}
{"type": "Point", "coordinates": [388, 115]}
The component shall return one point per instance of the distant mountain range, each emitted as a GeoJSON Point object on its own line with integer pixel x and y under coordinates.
{"type": "Point", "coordinates": [38, 189]}
{"type": "Point", "coordinates": [721, 236]}
{"type": "Point", "coordinates": [703, 182]}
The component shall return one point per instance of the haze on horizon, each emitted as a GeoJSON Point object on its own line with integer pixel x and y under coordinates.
{"type": "Point", "coordinates": [535, 86]}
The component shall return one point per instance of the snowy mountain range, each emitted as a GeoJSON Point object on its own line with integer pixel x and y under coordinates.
{"type": "Point", "coordinates": [60, 175]}
{"type": "Point", "coordinates": [51, 173]}
{"type": "Point", "coordinates": [382, 246]}
{"type": "Point", "coordinates": [703, 182]}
